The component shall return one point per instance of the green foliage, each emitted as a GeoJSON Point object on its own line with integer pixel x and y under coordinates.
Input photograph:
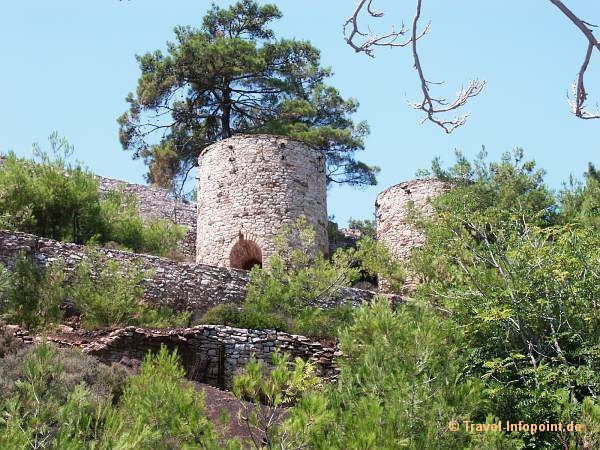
{"type": "Point", "coordinates": [129, 231]}
{"type": "Point", "coordinates": [400, 384]}
{"type": "Point", "coordinates": [52, 197]}
{"type": "Point", "coordinates": [55, 198]}
{"type": "Point", "coordinates": [580, 202]}
{"type": "Point", "coordinates": [232, 76]}
{"type": "Point", "coordinates": [158, 410]}
{"type": "Point", "coordinates": [522, 289]}
{"type": "Point", "coordinates": [108, 294]}
{"type": "Point", "coordinates": [268, 390]}
{"type": "Point", "coordinates": [366, 227]}
{"type": "Point", "coordinates": [287, 295]}
{"type": "Point", "coordinates": [54, 399]}
{"type": "Point", "coordinates": [32, 298]}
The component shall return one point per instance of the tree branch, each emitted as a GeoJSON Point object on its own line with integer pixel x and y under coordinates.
{"type": "Point", "coordinates": [371, 40]}
{"type": "Point", "coordinates": [579, 92]}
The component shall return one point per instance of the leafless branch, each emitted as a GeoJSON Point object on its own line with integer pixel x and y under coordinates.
{"type": "Point", "coordinates": [352, 32]}
{"type": "Point", "coordinates": [432, 107]}
{"type": "Point", "coordinates": [435, 107]}
{"type": "Point", "coordinates": [579, 92]}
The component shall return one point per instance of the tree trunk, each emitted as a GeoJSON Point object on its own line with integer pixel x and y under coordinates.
{"type": "Point", "coordinates": [226, 116]}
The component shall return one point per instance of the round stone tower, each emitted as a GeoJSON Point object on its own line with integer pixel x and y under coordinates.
{"type": "Point", "coordinates": [249, 187]}
{"type": "Point", "coordinates": [393, 209]}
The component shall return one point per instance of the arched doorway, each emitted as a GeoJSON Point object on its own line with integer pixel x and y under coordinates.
{"type": "Point", "coordinates": [245, 254]}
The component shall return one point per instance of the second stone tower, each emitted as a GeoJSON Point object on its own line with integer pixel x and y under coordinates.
{"type": "Point", "coordinates": [249, 187]}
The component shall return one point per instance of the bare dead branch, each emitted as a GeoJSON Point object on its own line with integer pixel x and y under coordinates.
{"type": "Point", "coordinates": [579, 92]}
{"type": "Point", "coordinates": [370, 40]}
{"type": "Point", "coordinates": [433, 107]}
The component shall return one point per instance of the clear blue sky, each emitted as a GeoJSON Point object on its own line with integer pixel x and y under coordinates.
{"type": "Point", "coordinates": [68, 65]}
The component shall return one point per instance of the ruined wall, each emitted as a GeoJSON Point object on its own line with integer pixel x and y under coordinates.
{"type": "Point", "coordinates": [157, 203]}
{"type": "Point", "coordinates": [250, 186]}
{"type": "Point", "coordinates": [179, 285]}
{"type": "Point", "coordinates": [392, 209]}
{"type": "Point", "coordinates": [211, 354]}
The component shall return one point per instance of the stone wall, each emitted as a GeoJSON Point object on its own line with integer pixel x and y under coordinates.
{"type": "Point", "coordinates": [179, 285]}
{"type": "Point", "coordinates": [157, 203]}
{"type": "Point", "coordinates": [250, 186]}
{"type": "Point", "coordinates": [211, 354]}
{"type": "Point", "coordinates": [393, 209]}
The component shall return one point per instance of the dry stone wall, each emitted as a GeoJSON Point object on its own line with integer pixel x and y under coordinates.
{"type": "Point", "coordinates": [179, 285]}
{"type": "Point", "coordinates": [211, 354]}
{"type": "Point", "coordinates": [393, 210]}
{"type": "Point", "coordinates": [157, 203]}
{"type": "Point", "coordinates": [250, 186]}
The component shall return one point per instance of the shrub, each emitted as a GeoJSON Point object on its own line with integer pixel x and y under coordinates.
{"type": "Point", "coordinates": [266, 391]}
{"type": "Point", "coordinates": [54, 399]}
{"type": "Point", "coordinates": [32, 298]}
{"type": "Point", "coordinates": [400, 383]}
{"type": "Point", "coordinates": [55, 198]}
{"type": "Point", "coordinates": [159, 410]}
{"type": "Point", "coordinates": [109, 294]}
{"type": "Point", "coordinates": [288, 295]}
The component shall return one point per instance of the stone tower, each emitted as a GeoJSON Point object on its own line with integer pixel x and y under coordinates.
{"type": "Point", "coordinates": [249, 187]}
{"type": "Point", "coordinates": [392, 211]}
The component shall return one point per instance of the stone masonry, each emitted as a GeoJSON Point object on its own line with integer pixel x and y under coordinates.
{"type": "Point", "coordinates": [393, 210]}
{"type": "Point", "coordinates": [211, 354]}
{"type": "Point", "coordinates": [178, 285]}
{"type": "Point", "coordinates": [250, 186]}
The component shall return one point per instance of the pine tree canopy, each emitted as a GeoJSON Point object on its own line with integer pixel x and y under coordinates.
{"type": "Point", "coordinates": [233, 76]}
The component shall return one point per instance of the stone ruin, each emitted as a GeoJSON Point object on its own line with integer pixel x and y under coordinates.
{"type": "Point", "coordinates": [249, 187]}
{"type": "Point", "coordinates": [394, 208]}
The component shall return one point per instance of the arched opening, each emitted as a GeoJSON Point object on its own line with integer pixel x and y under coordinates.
{"type": "Point", "coordinates": [245, 254]}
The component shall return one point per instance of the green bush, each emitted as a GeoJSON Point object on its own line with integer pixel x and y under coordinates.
{"type": "Point", "coordinates": [32, 298]}
{"type": "Point", "coordinates": [109, 294]}
{"type": "Point", "coordinates": [51, 398]}
{"type": "Point", "coordinates": [159, 410]}
{"type": "Point", "coordinates": [400, 384]}
{"type": "Point", "coordinates": [55, 198]}
{"type": "Point", "coordinates": [106, 293]}
{"type": "Point", "coordinates": [63, 399]}
{"type": "Point", "coordinates": [265, 391]}
{"type": "Point", "coordinates": [517, 275]}
{"type": "Point", "coordinates": [287, 296]}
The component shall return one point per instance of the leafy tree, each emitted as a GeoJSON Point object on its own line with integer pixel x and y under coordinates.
{"type": "Point", "coordinates": [400, 384]}
{"type": "Point", "coordinates": [518, 279]}
{"type": "Point", "coordinates": [580, 201]}
{"type": "Point", "coordinates": [232, 76]}
{"type": "Point", "coordinates": [159, 410]}
{"type": "Point", "coordinates": [30, 297]}
{"type": "Point", "coordinates": [366, 227]}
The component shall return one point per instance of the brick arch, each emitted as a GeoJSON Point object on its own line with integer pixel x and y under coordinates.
{"type": "Point", "coordinates": [245, 253]}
